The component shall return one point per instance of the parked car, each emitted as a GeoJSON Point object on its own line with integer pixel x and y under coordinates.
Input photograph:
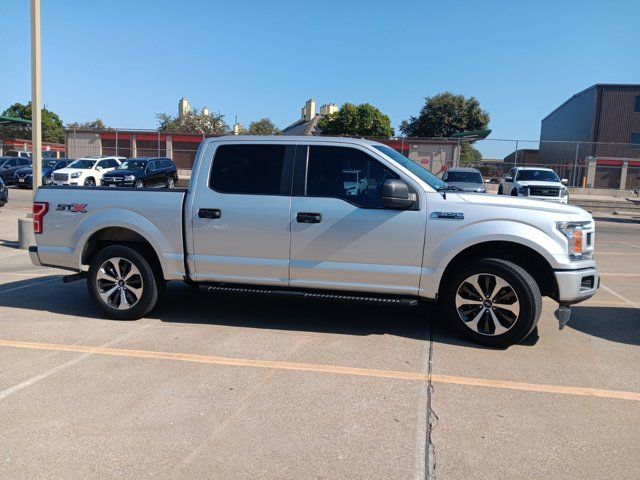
{"type": "Point", "coordinates": [466, 179]}
{"type": "Point", "coordinates": [354, 182]}
{"type": "Point", "coordinates": [143, 172]}
{"type": "Point", "coordinates": [87, 171]}
{"type": "Point", "coordinates": [4, 193]}
{"type": "Point", "coordinates": [270, 215]}
{"type": "Point", "coordinates": [9, 165]}
{"type": "Point", "coordinates": [19, 153]}
{"type": "Point", "coordinates": [24, 176]}
{"type": "Point", "coordinates": [535, 183]}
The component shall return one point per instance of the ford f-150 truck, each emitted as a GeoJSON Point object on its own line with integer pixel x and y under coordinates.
{"type": "Point", "coordinates": [273, 215]}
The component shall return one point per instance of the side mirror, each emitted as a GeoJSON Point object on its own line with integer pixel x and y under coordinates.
{"type": "Point", "coordinates": [395, 194]}
{"type": "Point", "coordinates": [564, 181]}
{"type": "Point", "coordinates": [99, 169]}
{"type": "Point", "coordinates": [508, 179]}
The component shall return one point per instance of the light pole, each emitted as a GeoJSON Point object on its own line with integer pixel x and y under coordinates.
{"type": "Point", "coordinates": [36, 97]}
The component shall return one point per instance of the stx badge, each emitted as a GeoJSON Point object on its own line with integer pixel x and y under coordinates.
{"type": "Point", "coordinates": [72, 207]}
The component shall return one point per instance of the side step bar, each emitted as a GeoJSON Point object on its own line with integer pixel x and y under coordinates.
{"type": "Point", "coordinates": [387, 300]}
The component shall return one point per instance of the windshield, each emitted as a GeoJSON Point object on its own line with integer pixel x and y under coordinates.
{"type": "Point", "coordinates": [424, 175]}
{"type": "Point", "coordinates": [349, 176]}
{"type": "Point", "coordinates": [464, 177]}
{"type": "Point", "coordinates": [82, 163]}
{"type": "Point", "coordinates": [540, 175]}
{"type": "Point", "coordinates": [49, 163]}
{"type": "Point", "coordinates": [132, 165]}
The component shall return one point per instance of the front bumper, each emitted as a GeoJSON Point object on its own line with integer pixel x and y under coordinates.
{"type": "Point", "coordinates": [564, 200]}
{"type": "Point", "coordinates": [575, 286]}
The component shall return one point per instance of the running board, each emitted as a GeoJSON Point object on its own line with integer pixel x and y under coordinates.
{"type": "Point", "coordinates": [387, 300]}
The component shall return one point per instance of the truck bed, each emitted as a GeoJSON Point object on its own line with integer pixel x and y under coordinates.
{"type": "Point", "coordinates": [77, 215]}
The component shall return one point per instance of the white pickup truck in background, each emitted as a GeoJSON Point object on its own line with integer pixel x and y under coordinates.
{"type": "Point", "coordinates": [277, 214]}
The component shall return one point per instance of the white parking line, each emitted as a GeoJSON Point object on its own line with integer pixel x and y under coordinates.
{"type": "Point", "coordinates": [621, 297]}
{"type": "Point", "coordinates": [28, 285]}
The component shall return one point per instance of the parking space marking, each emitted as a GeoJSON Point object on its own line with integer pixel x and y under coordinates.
{"type": "Point", "coordinates": [621, 297]}
{"type": "Point", "coordinates": [34, 284]}
{"type": "Point", "coordinates": [332, 369]}
{"type": "Point", "coordinates": [617, 253]}
{"type": "Point", "coordinates": [36, 378]}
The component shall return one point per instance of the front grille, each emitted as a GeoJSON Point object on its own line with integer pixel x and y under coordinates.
{"type": "Point", "coordinates": [544, 192]}
{"type": "Point", "coordinates": [22, 175]}
{"type": "Point", "coordinates": [112, 179]}
{"type": "Point", "coordinates": [60, 177]}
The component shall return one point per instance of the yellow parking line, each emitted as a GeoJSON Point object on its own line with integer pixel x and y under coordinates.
{"type": "Point", "coordinates": [335, 369]}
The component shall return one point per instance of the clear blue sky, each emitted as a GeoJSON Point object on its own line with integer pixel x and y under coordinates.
{"type": "Point", "coordinates": [125, 61]}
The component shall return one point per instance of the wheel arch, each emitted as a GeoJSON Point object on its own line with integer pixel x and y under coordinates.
{"type": "Point", "coordinates": [526, 257]}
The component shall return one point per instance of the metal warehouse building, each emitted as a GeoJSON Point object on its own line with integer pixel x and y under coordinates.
{"type": "Point", "coordinates": [598, 127]}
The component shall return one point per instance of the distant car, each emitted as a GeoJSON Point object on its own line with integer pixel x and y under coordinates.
{"type": "Point", "coordinates": [9, 165]}
{"type": "Point", "coordinates": [466, 179]}
{"type": "Point", "coordinates": [4, 194]}
{"type": "Point", "coordinates": [87, 171]}
{"type": "Point", "coordinates": [143, 172]}
{"type": "Point", "coordinates": [19, 153]}
{"type": "Point", "coordinates": [24, 176]}
{"type": "Point", "coordinates": [535, 183]}
{"type": "Point", "coordinates": [354, 182]}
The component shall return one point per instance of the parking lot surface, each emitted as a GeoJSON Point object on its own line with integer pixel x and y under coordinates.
{"type": "Point", "coordinates": [225, 386]}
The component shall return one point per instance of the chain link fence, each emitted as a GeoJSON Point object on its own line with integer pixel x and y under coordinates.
{"type": "Point", "coordinates": [584, 164]}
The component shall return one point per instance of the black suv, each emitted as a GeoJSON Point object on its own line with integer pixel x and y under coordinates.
{"type": "Point", "coordinates": [143, 172]}
{"type": "Point", "coordinates": [9, 165]}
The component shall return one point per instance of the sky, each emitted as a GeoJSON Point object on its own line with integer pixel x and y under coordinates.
{"type": "Point", "coordinates": [126, 61]}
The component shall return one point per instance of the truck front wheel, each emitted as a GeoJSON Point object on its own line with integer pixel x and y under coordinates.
{"type": "Point", "coordinates": [122, 283]}
{"type": "Point", "coordinates": [493, 302]}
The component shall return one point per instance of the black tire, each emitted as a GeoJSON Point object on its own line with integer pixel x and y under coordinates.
{"type": "Point", "coordinates": [514, 193]}
{"type": "Point", "coordinates": [90, 182]}
{"type": "Point", "coordinates": [171, 183]}
{"type": "Point", "coordinates": [524, 286]}
{"type": "Point", "coordinates": [151, 283]}
{"type": "Point", "coordinates": [500, 190]}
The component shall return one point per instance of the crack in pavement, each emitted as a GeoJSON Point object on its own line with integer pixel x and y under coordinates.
{"type": "Point", "coordinates": [432, 418]}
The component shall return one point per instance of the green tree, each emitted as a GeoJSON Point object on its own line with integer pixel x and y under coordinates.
{"type": "Point", "coordinates": [445, 114]}
{"type": "Point", "coordinates": [468, 154]}
{"type": "Point", "coordinates": [96, 124]}
{"type": "Point", "coordinates": [264, 126]}
{"type": "Point", "coordinates": [52, 129]}
{"type": "Point", "coordinates": [362, 120]}
{"type": "Point", "coordinates": [193, 122]}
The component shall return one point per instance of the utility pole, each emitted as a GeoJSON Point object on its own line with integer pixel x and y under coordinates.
{"type": "Point", "coordinates": [36, 97]}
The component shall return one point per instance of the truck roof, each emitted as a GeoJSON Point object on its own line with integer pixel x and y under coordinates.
{"type": "Point", "coordinates": [290, 139]}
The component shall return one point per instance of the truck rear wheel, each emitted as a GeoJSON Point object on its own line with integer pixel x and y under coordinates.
{"type": "Point", "coordinates": [493, 302]}
{"type": "Point", "coordinates": [122, 283]}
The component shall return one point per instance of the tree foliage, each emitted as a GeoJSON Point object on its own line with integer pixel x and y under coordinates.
{"type": "Point", "coordinates": [362, 120]}
{"type": "Point", "coordinates": [468, 154]}
{"type": "Point", "coordinates": [264, 126]}
{"type": "Point", "coordinates": [52, 129]}
{"type": "Point", "coordinates": [445, 114]}
{"type": "Point", "coordinates": [96, 124]}
{"type": "Point", "coordinates": [193, 122]}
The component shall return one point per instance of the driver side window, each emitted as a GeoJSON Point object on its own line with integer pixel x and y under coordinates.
{"type": "Point", "coordinates": [346, 173]}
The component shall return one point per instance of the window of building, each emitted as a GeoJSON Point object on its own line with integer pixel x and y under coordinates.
{"type": "Point", "coordinates": [346, 173]}
{"type": "Point", "coordinates": [637, 109]}
{"type": "Point", "coordinates": [635, 141]}
{"type": "Point", "coordinates": [249, 169]}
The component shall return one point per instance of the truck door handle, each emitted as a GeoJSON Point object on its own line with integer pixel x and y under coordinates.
{"type": "Point", "coordinates": [306, 217]}
{"type": "Point", "coordinates": [211, 213]}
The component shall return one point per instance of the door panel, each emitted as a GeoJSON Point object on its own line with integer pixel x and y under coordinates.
{"type": "Point", "coordinates": [240, 237]}
{"type": "Point", "coordinates": [355, 248]}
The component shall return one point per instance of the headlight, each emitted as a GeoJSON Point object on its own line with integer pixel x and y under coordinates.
{"type": "Point", "coordinates": [564, 192]}
{"type": "Point", "coordinates": [524, 191]}
{"type": "Point", "coordinates": [573, 232]}
{"type": "Point", "coordinates": [129, 178]}
{"type": "Point", "coordinates": [76, 174]}
{"type": "Point", "coordinates": [481, 190]}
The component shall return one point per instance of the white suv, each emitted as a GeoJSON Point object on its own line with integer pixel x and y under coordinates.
{"type": "Point", "coordinates": [86, 171]}
{"type": "Point", "coordinates": [535, 183]}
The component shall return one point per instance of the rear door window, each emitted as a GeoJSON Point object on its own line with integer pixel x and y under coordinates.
{"type": "Point", "coordinates": [251, 170]}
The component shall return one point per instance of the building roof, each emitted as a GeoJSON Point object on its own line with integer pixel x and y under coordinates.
{"type": "Point", "coordinates": [618, 85]}
{"type": "Point", "coordinates": [303, 127]}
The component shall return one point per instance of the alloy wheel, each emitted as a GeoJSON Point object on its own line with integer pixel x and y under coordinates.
{"type": "Point", "coordinates": [487, 304]}
{"type": "Point", "coordinates": [119, 283]}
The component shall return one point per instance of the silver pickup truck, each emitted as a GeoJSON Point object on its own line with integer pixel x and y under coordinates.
{"type": "Point", "coordinates": [272, 214]}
